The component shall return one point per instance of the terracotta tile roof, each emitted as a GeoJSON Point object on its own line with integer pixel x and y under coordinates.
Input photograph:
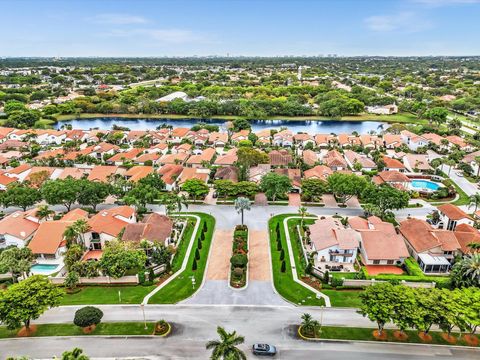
{"type": "Point", "coordinates": [19, 169]}
{"type": "Point", "coordinates": [280, 157]}
{"type": "Point", "coordinates": [457, 140]}
{"type": "Point", "coordinates": [422, 237]}
{"type": "Point", "coordinates": [108, 222]}
{"type": "Point", "coordinates": [154, 227]}
{"type": "Point", "coordinates": [6, 180]}
{"type": "Point", "coordinates": [434, 138]}
{"type": "Point", "coordinates": [16, 224]}
{"type": "Point", "coordinates": [392, 163]}
{"type": "Point", "coordinates": [170, 172]}
{"type": "Point", "coordinates": [334, 159]}
{"type": "Point", "coordinates": [393, 176]}
{"type": "Point", "coordinates": [49, 237]}
{"type": "Point", "coordinates": [418, 161]}
{"type": "Point", "coordinates": [227, 173]}
{"type": "Point", "coordinates": [309, 157]}
{"type": "Point", "coordinates": [318, 172]}
{"type": "Point", "coordinates": [173, 158]}
{"type": "Point", "coordinates": [240, 134]}
{"type": "Point", "coordinates": [466, 235]}
{"type": "Point", "coordinates": [206, 156]}
{"type": "Point", "coordinates": [392, 139]}
{"type": "Point", "coordinates": [228, 159]}
{"type": "Point", "coordinates": [75, 214]}
{"type": "Point", "coordinates": [153, 157]}
{"type": "Point", "coordinates": [363, 160]}
{"type": "Point", "coordinates": [128, 155]}
{"type": "Point", "coordinates": [76, 173]}
{"type": "Point", "coordinates": [194, 173]}
{"type": "Point", "coordinates": [179, 132]}
{"type": "Point", "coordinates": [138, 172]}
{"type": "Point", "coordinates": [92, 255]}
{"type": "Point", "coordinates": [218, 137]}
{"type": "Point", "coordinates": [102, 173]}
{"type": "Point", "coordinates": [13, 144]}
{"type": "Point", "coordinates": [453, 212]}
{"type": "Point", "coordinates": [50, 154]}
{"type": "Point", "coordinates": [328, 232]}
{"type": "Point", "coordinates": [302, 137]}
{"type": "Point", "coordinates": [293, 174]}
{"type": "Point", "coordinates": [471, 157]}
{"type": "Point", "coordinates": [323, 139]}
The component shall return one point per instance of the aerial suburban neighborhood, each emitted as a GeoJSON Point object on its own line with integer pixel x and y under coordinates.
{"type": "Point", "coordinates": [161, 206]}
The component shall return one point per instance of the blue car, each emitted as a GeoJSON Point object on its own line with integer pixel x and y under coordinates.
{"type": "Point", "coordinates": [264, 350]}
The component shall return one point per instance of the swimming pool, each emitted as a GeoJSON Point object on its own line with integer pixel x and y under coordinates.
{"type": "Point", "coordinates": [43, 269]}
{"type": "Point", "coordinates": [424, 185]}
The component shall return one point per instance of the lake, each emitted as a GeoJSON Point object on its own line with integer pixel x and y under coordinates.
{"type": "Point", "coordinates": [307, 126]}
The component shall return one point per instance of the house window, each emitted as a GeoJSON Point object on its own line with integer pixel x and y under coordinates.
{"type": "Point", "coordinates": [2, 239]}
{"type": "Point", "coordinates": [376, 262]}
{"type": "Point", "coordinates": [390, 262]}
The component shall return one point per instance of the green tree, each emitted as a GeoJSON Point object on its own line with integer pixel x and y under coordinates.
{"type": "Point", "coordinates": [309, 325]}
{"type": "Point", "coordinates": [466, 272]}
{"type": "Point", "coordinates": [427, 309]}
{"type": "Point", "coordinates": [302, 211]}
{"type": "Point", "coordinates": [275, 185]}
{"type": "Point", "coordinates": [195, 188]}
{"type": "Point", "coordinates": [437, 115]}
{"type": "Point", "coordinates": [242, 204]}
{"type": "Point", "coordinates": [20, 195]}
{"type": "Point", "coordinates": [226, 347]}
{"type": "Point", "coordinates": [313, 189]}
{"type": "Point", "coordinates": [385, 198]}
{"type": "Point", "coordinates": [118, 258]}
{"type": "Point", "coordinates": [71, 280]}
{"type": "Point", "coordinates": [378, 304]}
{"type": "Point", "coordinates": [44, 212]}
{"type": "Point", "coordinates": [16, 261]}
{"type": "Point", "coordinates": [87, 316]}
{"type": "Point", "coordinates": [474, 200]}
{"type": "Point", "coordinates": [61, 191]}
{"type": "Point", "coordinates": [345, 186]}
{"type": "Point", "coordinates": [469, 301]}
{"type": "Point", "coordinates": [93, 193]}
{"type": "Point", "coordinates": [27, 300]}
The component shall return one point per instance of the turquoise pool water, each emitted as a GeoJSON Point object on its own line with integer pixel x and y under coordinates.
{"type": "Point", "coordinates": [424, 185]}
{"type": "Point", "coordinates": [43, 268]}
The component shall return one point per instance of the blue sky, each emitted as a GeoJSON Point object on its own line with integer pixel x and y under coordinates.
{"type": "Point", "coordinates": [239, 27]}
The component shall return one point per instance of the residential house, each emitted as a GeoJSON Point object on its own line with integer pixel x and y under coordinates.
{"type": "Point", "coordinates": [352, 158]}
{"type": "Point", "coordinates": [309, 157]}
{"type": "Point", "coordinates": [335, 161]}
{"type": "Point", "coordinates": [18, 228]}
{"type": "Point", "coordinates": [393, 164]}
{"type": "Point", "coordinates": [379, 244]}
{"type": "Point", "coordinates": [103, 173]}
{"type": "Point", "coordinates": [170, 174]}
{"type": "Point", "coordinates": [202, 160]}
{"type": "Point", "coordinates": [218, 139]}
{"type": "Point", "coordinates": [239, 136]}
{"type": "Point", "coordinates": [153, 228]}
{"type": "Point", "coordinates": [392, 178]}
{"type": "Point", "coordinates": [295, 177]}
{"type": "Point", "coordinates": [413, 141]}
{"type": "Point", "coordinates": [391, 141]}
{"type": "Point", "coordinates": [280, 157]}
{"type": "Point", "coordinates": [136, 173]}
{"type": "Point", "coordinates": [303, 139]}
{"type": "Point", "coordinates": [471, 160]}
{"type": "Point", "coordinates": [451, 216]}
{"type": "Point", "coordinates": [433, 249]}
{"type": "Point", "coordinates": [177, 135]}
{"type": "Point", "coordinates": [194, 173]}
{"type": "Point", "coordinates": [283, 138]}
{"type": "Point", "coordinates": [320, 172]}
{"type": "Point", "coordinates": [227, 159]}
{"type": "Point", "coordinates": [417, 163]}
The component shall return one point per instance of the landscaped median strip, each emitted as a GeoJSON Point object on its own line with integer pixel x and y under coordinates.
{"type": "Point", "coordinates": [185, 259]}
{"type": "Point", "coordinates": [292, 261]}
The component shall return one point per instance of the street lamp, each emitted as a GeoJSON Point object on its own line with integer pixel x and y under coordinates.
{"type": "Point", "coordinates": [142, 305]}
{"type": "Point", "coordinates": [321, 318]}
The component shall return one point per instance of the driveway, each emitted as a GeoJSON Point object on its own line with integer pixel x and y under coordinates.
{"type": "Point", "coordinates": [353, 202]}
{"type": "Point", "coordinates": [294, 200]}
{"type": "Point", "coordinates": [209, 199]}
{"type": "Point", "coordinates": [259, 256]}
{"type": "Point", "coordinates": [218, 264]}
{"type": "Point", "coordinates": [261, 199]}
{"type": "Point", "coordinates": [329, 200]}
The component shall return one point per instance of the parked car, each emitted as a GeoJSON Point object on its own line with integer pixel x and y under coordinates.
{"type": "Point", "coordinates": [264, 350]}
{"type": "Point", "coordinates": [460, 174]}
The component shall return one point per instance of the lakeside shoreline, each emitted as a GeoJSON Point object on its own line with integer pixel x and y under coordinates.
{"type": "Point", "coordinates": [397, 118]}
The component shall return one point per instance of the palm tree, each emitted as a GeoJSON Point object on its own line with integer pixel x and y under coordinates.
{"type": "Point", "coordinates": [43, 212]}
{"type": "Point", "coordinates": [81, 227]}
{"type": "Point", "coordinates": [474, 246]}
{"type": "Point", "coordinates": [466, 272]}
{"type": "Point", "coordinates": [70, 234]}
{"type": "Point", "coordinates": [474, 200]}
{"type": "Point", "coordinates": [226, 347]}
{"type": "Point", "coordinates": [242, 204]}
{"type": "Point", "coordinates": [75, 354]}
{"type": "Point", "coordinates": [302, 211]}
{"type": "Point", "coordinates": [308, 324]}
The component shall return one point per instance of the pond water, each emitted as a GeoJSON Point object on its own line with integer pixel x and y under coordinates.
{"type": "Point", "coordinates": [307, 126]}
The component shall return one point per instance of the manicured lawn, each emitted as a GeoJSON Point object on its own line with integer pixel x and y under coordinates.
{"type": "Point", "coordinates": [130, 294]}
{"type": "Point", "coordinates": [351, 333]}
{"type": "Point", "coordinates": [117, 328]}
{"type": "Point", "coordinates": [108, 295]}
{"type": "Point", "coordinates": [181, 287]}
{"type": "Point", "coordinates": [283, 282]}
{"type": "Point", "coordinates": [344, 298]}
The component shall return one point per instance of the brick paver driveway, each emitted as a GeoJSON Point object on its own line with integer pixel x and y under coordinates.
{"type": "Point", "coordinates": [353, 202]}
{"type": "Point", "coordinates": [219, 260]}
{"type": "Point", "coordinates": [294, 199]}
{"type": "Point", "coordinates": [329, 201]}
{"type": "Point", "coordinates": [261, 199]}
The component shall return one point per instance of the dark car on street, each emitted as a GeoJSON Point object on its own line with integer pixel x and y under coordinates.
{"type": "Point", "coordinates": [264, 349]}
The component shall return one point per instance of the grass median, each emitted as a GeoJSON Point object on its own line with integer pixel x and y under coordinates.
{"type": "Point", "coordinates": [116, 328]}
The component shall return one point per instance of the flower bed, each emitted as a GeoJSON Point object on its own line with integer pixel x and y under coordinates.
{"type": "Point", "coordinates": [239, 259]}
{"type": "Point", "coordinates": [162, 328]}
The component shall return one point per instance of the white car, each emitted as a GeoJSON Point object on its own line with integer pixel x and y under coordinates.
{"type": "Point", "coordinates": [460, 174]}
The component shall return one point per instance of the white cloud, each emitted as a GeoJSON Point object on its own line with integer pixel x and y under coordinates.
{"type": "Point", "coordinates": [406, 21]}
{"type": "Point", "coordinates": [118, 19]}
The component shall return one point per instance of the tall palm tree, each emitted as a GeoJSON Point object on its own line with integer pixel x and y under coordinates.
{"type": "Point", "coordinates": [466, 272]}
{"type": "Point", "coordinates": [474, 200]}
{"type": "Point", "coordinates": [226, 347]}
{"type": "Point", "coordinates": [70, 234]}
{"type": "Point", "coordinates": [242, 204]}
{"type": "Point", "coordinates": [302, 211]}
{"type": "Point", "coordinates": [81, 227]}
{"type": "Point", "coordinates": [43, 212]}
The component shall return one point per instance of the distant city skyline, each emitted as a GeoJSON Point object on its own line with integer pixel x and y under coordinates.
{"type": "Point", "coordinates": [127, 28]}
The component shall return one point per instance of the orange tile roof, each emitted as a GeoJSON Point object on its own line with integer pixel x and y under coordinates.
{"type": "Point", "coordinates": [106, 221]}
{"type": "Point", "coordinates": [170, 172]}
{"type": "Point", "coordinates": [138, 172]}
{"type": "Point", "coordinates": [453, 212]}
{"type": "Point", "coordinates": [173, 158]}
{"type": "Point", "coordinates": [193, 173]}
{"type": "Point", "coordinates": [206, 156]}
{"type": "Point", "coordinates": [392, 163]}
{"type": "Point", "coordinates": [75, 173]}
{"type": "Point", "coordinates": [102, 173]}
{"type": "Point", "coordinates": [16, 224]}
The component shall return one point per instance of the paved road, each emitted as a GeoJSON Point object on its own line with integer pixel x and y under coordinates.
{"type": "Point", "coordinates": [464, 184]}
{"type": "Point", "coordinates": [196, 324]}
